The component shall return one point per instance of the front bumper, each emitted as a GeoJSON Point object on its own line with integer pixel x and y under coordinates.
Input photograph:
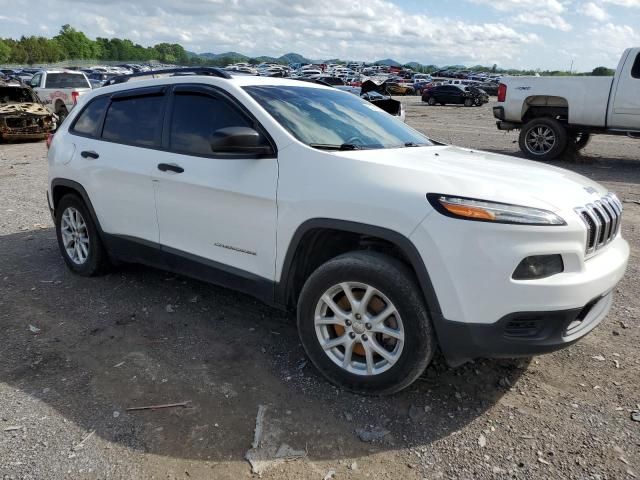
{"type": "Point", "coordinates": [520, 334]}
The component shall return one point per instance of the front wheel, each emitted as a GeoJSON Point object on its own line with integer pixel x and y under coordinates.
{"type": "Point", "coordinates": [431, 101]}
{"type": "Point", "coordinates": [363, 322]}
{"type": "Point", "coordinates": [543, 139]}
{"type": "Point", "coordinates": [468, 102]}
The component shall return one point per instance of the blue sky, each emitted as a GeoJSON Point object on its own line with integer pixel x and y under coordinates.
{"type": "Point", "coordinates": [544, 34]}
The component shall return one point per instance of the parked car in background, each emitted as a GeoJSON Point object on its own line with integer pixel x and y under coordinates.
{"type": "Point", "coordinates": [98, 79]}
{"type": "Point", "coordinates": [59, 90]}
{"type": "Point", "coordinates": [22, 115]}
{"type": "Point", "coordinates": [456, 95]}
{"type": "Point", "coordinates": [394, 88]}
{"type": "Point", "coordinates": [554, 113]}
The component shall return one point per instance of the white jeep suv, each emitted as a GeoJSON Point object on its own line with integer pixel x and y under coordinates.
{"type": "Point", "coordinates": [388, 244]}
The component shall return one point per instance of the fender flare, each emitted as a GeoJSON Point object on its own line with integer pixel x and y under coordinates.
{"type": "Point", "coordinates": [399, 240]}
{"type": "Point", "coordinates": [79, 189]}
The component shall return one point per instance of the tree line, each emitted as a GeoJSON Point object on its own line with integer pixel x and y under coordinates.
{"type": "Point", "coordinates": [72, 44]}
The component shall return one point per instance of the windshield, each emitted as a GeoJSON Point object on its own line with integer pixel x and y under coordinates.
{"type": "Point", "coordinates": [321, 117]}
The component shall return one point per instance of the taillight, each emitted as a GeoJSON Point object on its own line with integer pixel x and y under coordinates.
{"type": "Point", "coordinates": [49, 140]}
{"type": "Point", "coordinates": [502, 92]}
{"type": "Point", "coordinates": [74, 97]}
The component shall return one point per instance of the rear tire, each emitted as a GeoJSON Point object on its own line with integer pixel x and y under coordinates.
{"type": "Point", "coordinates": [353, 361]}
{"type": "Point", "coordinates": [78, 238]}
{"type": "Point", "coordinates": [543, 139]}
{"type": "Point", "coordinates": [62, 113]}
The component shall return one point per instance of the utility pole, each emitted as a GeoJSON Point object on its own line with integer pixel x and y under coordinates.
{"type": "Point", "coordinates": [571, 67]}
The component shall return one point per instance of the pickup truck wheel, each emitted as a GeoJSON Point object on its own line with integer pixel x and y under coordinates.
{"type": "Point", "coordinates": [543, 139]}
{"type": "Point", "coordinates": [468, 102]}
{"type": "Point", "coordinates": [363, 322]}
{"type": "Point", "coordinates": [78, 238]}
{"type": "Point", "coordinates": [62, 113]}
{"type": "Point", "coordinates": [431, 101]}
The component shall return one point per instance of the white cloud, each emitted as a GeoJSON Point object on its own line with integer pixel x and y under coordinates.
{"type": "Point", "coordinates": [624, 3]}
{"type": "Point", "coordinates": [349, 29]}
{"type": "Point", "coordinates": [594, 11]}
{"type": "Point", "coordinates": [547, 13]}
{"type": "Point", "coordinates": [611, 40]}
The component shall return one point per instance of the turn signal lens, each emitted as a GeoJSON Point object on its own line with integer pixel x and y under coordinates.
{"type": "Point", "coordinates": [485, 211]}
{"type": "Point", "coordinates": [469, 212]}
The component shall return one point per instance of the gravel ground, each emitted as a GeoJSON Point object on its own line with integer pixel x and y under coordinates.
{"type": "Point", "coordinates": [78, 352]}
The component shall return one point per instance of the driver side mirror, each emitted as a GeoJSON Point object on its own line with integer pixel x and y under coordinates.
{"type": "Point", "coordinates": [240, 140]}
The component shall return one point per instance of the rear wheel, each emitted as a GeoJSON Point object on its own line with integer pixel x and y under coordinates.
{"type": "Point", "coordinates": [543, 139]}
{"type": "Point", "coordinates": [363, 322]}
{"type": "Point", "coordinates": [78, 238]}
{"type": "Point", "coordinates": [62, 113]}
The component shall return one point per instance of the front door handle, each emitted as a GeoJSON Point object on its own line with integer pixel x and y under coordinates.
{"type": "Point", "coordinates": [170, 167]}
{"type": "Point", "coordinates": [89, 154]}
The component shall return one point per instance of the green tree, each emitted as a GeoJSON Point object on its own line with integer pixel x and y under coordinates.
{"type": "Point", "coordinates": [5, 52]}
{"type": "Point", "coordinates": [602, 72]}
{"type": "Point", "coordinates": [76, 45]}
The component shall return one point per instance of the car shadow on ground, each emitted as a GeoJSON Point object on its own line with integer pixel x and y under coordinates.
{"type": "Point", "coordinates": [93, 347]}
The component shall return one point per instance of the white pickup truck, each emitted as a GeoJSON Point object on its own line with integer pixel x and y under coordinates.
{"type": "Point", "coordinates": [59, 89]}
{"type": "Point", "coordinates": [556, 113]}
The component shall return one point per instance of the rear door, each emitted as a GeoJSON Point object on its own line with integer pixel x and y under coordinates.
{"type": "Point", "coordinates": [115, 154]}
{"type": "Point", "coordinates": [216, 211]}
{"type": "Point", "coordinates": [626, 104]}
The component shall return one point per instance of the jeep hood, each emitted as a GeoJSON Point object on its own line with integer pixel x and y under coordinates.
{"type": "Point", "coordinates": [482, 175]}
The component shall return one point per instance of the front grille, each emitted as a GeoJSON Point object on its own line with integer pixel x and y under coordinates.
{"type": "Point", "coordinates": [602, 219]}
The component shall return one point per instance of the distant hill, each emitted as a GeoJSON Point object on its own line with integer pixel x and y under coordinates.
{"type": "Point", "coordinates": [293, 58]}
{"type": "Point", "coordinates": [389, 62]}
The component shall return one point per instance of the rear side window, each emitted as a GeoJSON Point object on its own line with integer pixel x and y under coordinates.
{"type": "Point", "coordinates": [635, 70]}
{"type": "Point", "coordinates": [134, 120]}
{"type": "Point", "coordinates": [88, 121]}
{"type": "Point", "coordinates": [66, 80]}
{"type": "Point", "coordinates": [196, 116]}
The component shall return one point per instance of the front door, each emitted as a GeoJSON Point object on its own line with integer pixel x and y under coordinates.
{"type": "Point", "coordinates": [216, 211]}
{"type": "Point", "coordinates": [626, 105]}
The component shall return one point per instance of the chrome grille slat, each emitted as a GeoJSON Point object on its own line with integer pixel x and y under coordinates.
{"type": "Point", "coordinates": [602, 219]}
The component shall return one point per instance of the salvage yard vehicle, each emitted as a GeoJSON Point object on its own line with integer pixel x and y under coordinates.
{"type": "Point", "coordinates": [22, 116]}
{"type": "Point", "coordinates": [554, 113]}
{"type": "Point", "coordinates": [59, 90]}
{"type": "Point", "coordinates": [454, 94]}
{"type": "Point", "coordinates": [389, 245]}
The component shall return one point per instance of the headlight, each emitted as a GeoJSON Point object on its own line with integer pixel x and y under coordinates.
{"type": "Point", "coordinates": [483, 211]}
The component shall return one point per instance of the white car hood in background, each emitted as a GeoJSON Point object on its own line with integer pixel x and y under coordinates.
{"type": "Point", "coordinates": [487, 176]}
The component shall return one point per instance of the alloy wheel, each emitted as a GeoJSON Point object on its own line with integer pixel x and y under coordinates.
{"type": "Point", "coordinates": [75, 236]}
{"type": "Point", "coordinates": [540, 140]}
{"type": "Point", "coordinates": [359, 328]}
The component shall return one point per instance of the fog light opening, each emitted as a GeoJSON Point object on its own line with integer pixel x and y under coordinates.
{"type": "Point", "coordinates": [538, 266]}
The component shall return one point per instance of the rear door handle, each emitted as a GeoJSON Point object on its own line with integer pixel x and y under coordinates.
{"type": "Point", "coordinates": [170, 167]}
{"type": "Point", "coordinates": [89, 154]}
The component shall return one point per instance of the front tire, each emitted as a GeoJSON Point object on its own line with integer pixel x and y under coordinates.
{"type": "Point", "coordinates": [363, 322]}
{"type": "Point", "coordinates": [468, 102]}
{"type": "Point", "coordinates": [78, 238]}
{"type": "Point", "coordinates": [543, 139]}
{"type": "Point", "coordinates": [431, 101]}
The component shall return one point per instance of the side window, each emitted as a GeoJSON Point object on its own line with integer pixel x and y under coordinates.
{"type": "Point", "coordinates": [35, 80]}
{"type": "Point", "coordinates": [134, 120]}
{"type": "Point", "coordinates": [88, 121]}
{"type": "Point", "coordinates": [635, 70]}
{"type": "Point", "coordinates": [196, 117]}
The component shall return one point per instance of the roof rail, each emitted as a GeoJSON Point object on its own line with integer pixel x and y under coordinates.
{"type": "Point", "coordinates": [211, 71]}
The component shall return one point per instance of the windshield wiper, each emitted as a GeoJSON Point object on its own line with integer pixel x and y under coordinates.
{"type": "Point", "coordinates": [344, 146]}
{"type": "Point", "coordinates": [414, 144]}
